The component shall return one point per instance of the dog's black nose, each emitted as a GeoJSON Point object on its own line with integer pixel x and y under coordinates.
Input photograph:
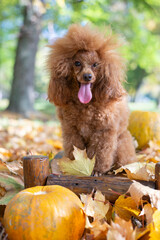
{"type": "Point", "coordinates": [87, 77]}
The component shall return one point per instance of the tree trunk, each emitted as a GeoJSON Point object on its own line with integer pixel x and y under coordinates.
{"type": "Point", "coordinates": [22, 91]}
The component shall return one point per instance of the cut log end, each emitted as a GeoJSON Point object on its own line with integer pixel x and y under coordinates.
{"type": "Point", "coordinates": [36, 170]}
{"type": "Point", "coordinates": [157, 176]}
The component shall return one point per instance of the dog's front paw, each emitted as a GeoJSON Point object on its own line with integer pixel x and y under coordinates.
{"type": "Point", "coordinates": [96, 174]}
{"type": "Point", "coordinates": [102, 169]}
{"type": "Point", "coordinates": [90, 152]}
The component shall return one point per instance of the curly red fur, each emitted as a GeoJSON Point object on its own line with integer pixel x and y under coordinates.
{"type": "Point", "coordinates": [100, 125]}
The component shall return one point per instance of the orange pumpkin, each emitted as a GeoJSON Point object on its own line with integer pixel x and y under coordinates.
{"type": "Point", "coordinates": [49, 212]}
{"type": "Point", "coordinates": [145, 126]}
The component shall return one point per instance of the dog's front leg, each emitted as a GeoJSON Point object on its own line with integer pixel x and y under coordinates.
{"type": "Point", "coordinates": [103, 144]}
{"type": "Point", "coordinates": [71, 138]}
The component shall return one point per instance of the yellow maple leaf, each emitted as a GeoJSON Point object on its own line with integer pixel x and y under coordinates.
{"type": "Point", "coordinates": [81, 166]}
{"type": "Point", "coordinates": [125, 208]}
{"type": "Point", "coordinates": [155, 227]}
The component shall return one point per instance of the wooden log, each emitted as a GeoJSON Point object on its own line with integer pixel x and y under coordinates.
{"type": "Point", "coordinates": [36, 170]}
{"type": "Point", "coordinates": [157, 176]}
{"type": "Point", "coordinates": [110, 185]}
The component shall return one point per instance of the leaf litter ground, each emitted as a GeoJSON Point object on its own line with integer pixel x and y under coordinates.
{"type": "Point", "coordinates": [130, 217]}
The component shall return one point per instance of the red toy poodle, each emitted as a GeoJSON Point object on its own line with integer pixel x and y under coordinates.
{"type": "Point", "coordinates": [86, 73]}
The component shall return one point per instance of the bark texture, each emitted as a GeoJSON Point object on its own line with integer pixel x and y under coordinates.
{"type": "Point", "coordinates": [22, 90]}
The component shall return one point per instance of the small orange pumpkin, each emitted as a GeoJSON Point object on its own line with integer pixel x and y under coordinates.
{"type": "Point", "coordinates": [49, 212]}
{"type": "Point", "coordinates": [145, 126]}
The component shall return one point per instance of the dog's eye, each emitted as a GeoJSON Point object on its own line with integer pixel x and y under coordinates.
{"type": "Point", "coordinates": [95, 65]}
{"type": "Point", "coordinates": [77, 64]}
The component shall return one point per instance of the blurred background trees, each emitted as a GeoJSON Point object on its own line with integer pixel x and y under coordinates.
{"type": "Point", "coordinates": [28, 25]}
{"type": "Point", "coordinates": [22, 88]}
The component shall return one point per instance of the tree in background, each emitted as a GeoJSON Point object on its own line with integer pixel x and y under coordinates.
{"type": "Point", "coordinates": [22, 90]}
{"type": "Point", "coordinates": [137, 21]}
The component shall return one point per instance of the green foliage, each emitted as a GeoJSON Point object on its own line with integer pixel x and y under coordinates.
{"type": "Point", "coordinates": [136, 21]}
{"type": "Point", "coordinates": [10, 20]}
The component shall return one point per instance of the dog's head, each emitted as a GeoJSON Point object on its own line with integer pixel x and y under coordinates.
{"type": "Point", "coordinates": [85, 65]}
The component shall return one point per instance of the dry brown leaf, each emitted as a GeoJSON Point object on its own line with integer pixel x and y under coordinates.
{"type": "Point", "coordinates": [137, 191]}
{"type": "Point", "coordinates": [16, 168]}
{"type": "Point", "coordinates": [2, 191]}
{"type": "Point", "coordinates": [5, 154]}
{"type": "Point", "coordinates": [121, 230]}
{"type": "Point", "coordinates": [151, 153]}
{"type": "Point", "coordinates": [139, 170]}
{"type": "Point", "coordinates": [97, 207]}
{"type": "Point", "coordinates": [20, 136]}
{"type": "Point", "coordinates": [3, 167]}
{"type": "Point", "coordinates": [99, 230]}
{"type": "Point", "coordinates": [55, 167]}
{"type": "Point", "coordinates": [148, 212]}
{"type": "Point", "coordinates": [125, 208]}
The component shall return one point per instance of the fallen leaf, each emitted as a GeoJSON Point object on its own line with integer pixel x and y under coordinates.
{"type": "Point", "coordinates": [121, 230]}
{"type": "Point", "coordinates": [20, 136]}
{"type": "Point", "coordinates": [125, 208]}
{"type": "Point", "coordinates": [12, 185]}
{"type": "Point", "coordinates": [81, 166]}
{"type": "Point", "coordinates": [143, 234]}
{"type": "Point", "coordinates": [55, 167]}
{"type": "Point", "coordinates": [99, 230]}
{"type": "Point", "coordinates": [55, 143]}
{"type": "Point", "coordinates": [5, 154]}
{"type": "Point", "coordinates": [155, 227]}
{"type": "Point", "coordinates": [138, 190]}
{"type": "Point", "coordinates": [97, 207]}
{"type": "Point", "coordinates": [16, 168]}
{"type": "Point", "coordinates": [2, 191]}
{"type": "Point", "coordinates": [3, 167]}
{"type": "Point", "coordinates": [139, 170]}
{"type": "Point", "coordinates": [151, 153]}
{"type": "Point", "coordinates": [148, 212]}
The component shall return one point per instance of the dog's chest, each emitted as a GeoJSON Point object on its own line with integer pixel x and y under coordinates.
{"type": "Point", "coordinates": [90, 119]}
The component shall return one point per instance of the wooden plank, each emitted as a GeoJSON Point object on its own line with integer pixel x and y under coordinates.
{"type": "Point", "coordinates": [110, 185]}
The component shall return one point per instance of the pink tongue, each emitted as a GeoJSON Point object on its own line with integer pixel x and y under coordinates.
{"type": "Point", "coordinates": [84, 93]}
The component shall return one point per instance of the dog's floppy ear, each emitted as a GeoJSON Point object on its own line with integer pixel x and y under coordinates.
{"type": "Point", "coordinates": [58, 89]}
{"type": "Point", "coordinates": [114, 76]}
{"type": "Point", "coordinates": [111, 76]}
